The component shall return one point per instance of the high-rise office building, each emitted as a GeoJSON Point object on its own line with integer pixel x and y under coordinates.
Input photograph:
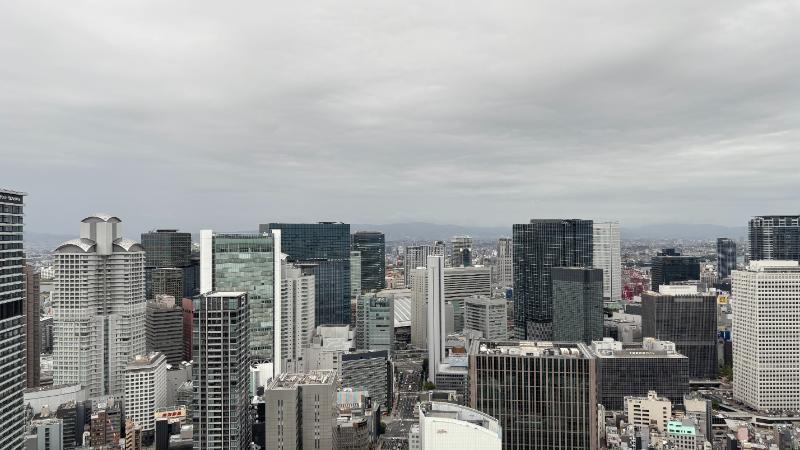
{"type": "Point", "coordinates": [726, 257]}
{"type": "Point", "coordinates": [419, 307]}
{"type": "Point", "coordinates": [369, 371]}
{"type": "Point", "coordinates": [543, 394]}
{"type": "Point", "coordinates": [372, 245]}
{"type": "Point", "coordinates": [98, 307]}
{"type": "Point", "coordinates": [145, 389]}
{"type": "Point", "coordinates": [416, 256]}
{"type": "Point", "coordinates": [327, 245]}
{"type": "Point", "coordinates": [248, 262]}
{"type": "Point", "coordinates": [461, 253]}
{"type": "Point", "coordinates": [164, 329]}
{"type": "Point", "coordinates": [436, 315]}
{"type": "Point", "coordinates": [774, 237]}
{"type": "Point", "coordinates": [355, 274]}
{"type": "Point", "coordinates": [681, 315]}
{"type": "Point", "coordinates": [577, 304]}
{"type": "Point", "coordinates": [32, 327]}
{"type": "Point", "coordinates": [187, 305]}
{"type": "Point", "coordinates": [606, 256]}
{"type": "Point", "coordinates": [375, 322]}
{"type": "Point", "coordinates": [301, 411]}
{"type": "Point", "coordinates": [297, 298]}
{"type": "Point", "coordinates": [167, 248]}
{"type": "Point", "coordinates": [464, 282]}
{"type": "Point", "coordinates": [449, 426]}
{"type": "Point", "coordinates": [635, 369]}
{"type": "Point", "coordinates": [766, 325]}
{"type": "Point", "coordinates": [539, 246]}
{"type": "Point", "coordinates": [670, 266]}
{"type": "Point", "coordinates": [221, 371]}
{"type": "Point", "coordinates": [167, 281]}
{"type": "Point", "coordinates": [12, 293]}
{"type": "Point", "coordinates": [505, 262]}
{"type": "Point", "coordinates": [487, 315]}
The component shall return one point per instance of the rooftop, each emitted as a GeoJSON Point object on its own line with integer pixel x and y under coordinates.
{"type": "Point", "coordinates": [649, 348]}
{"type": "Point", "coordinates": [292, 380]}
{"type": "Point", "coordinates": [766, 265]}
{"type": "Point", "coordinates": [531, 348]}
{"type": "Point", "coordinates": [146, 361]}
{"type": "Point", "coordinates": [224, 294]}
{"type": "Point", "coordinates": [461, 413]}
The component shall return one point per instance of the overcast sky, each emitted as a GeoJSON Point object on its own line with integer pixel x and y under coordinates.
{"type": "Point", "coordinates": [227, 114]}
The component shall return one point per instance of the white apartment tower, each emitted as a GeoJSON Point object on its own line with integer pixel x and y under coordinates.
{"type": "Point", "coordinates": [436, 315]}
{"type": "Point", "coordinates": [145, 389]}
{"type": "Point", "coordinates": [297, 299]}
{"type": "Point", "coordinates": [98, 307]}
{"type": "Point", "coordinates": [606, 256]}
{"type": "Point", "coordinates": [505, 262]}
{"type": "Point", "coordinates": [416, 256]}
{"type": "Point", "coordinates": [766, 335]}
{"type": "Point", "coordinates": [419, 307]}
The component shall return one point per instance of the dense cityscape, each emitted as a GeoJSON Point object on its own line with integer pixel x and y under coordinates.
{"type": "Point", "coordinates": [561, 335]}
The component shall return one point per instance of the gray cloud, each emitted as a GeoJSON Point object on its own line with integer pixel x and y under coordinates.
{"type": "Point", "coordinates": [211, 114]}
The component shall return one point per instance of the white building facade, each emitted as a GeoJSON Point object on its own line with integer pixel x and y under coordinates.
{"type": "Point", "coordinates": [145, 389]}
{"type": "Point", "coordinates": [98, 307]}
{"type": "Point", "coordinates": [447, 426]}
{"type": "Point", "coordinates": [606, 256]}
{"type": "Point", "coordinates": [436, 315]}
{"type": "Point", "coordinates": [297, 309]}
{"type": "Point", "coordinates": [766, 335]}
{"type": "Point", "coordinates": [505, 262]}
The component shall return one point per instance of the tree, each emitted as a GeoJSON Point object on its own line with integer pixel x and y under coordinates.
{"type": "Point", "coordinates": [428, 386]}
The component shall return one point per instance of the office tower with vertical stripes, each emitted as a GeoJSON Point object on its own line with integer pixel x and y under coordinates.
{"type": "Point", "coordinates": [33, 335]}
{"type": "Point", "coordinates": [606, 255]}
{"type": "Point", "coordinates": [726, 257]}
{"type": "Point", "coordinates": [505, 262]}
{"type": "Point", "coordinates": [372, 245]}
{"type": "Point", "coordinates": [577, 304]}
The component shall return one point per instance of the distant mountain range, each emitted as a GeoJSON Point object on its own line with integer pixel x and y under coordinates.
{"type": "Point", "coordinates": [423, 231]}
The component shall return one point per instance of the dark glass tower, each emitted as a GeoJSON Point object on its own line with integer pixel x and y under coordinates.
{"type": "Point", "coordinates": [538, 247]}
{"type": "Point", "coordinates": [669, 265]}
{"type": "Point", "coordinates": [167, 248]}
{"type": "Point", "coordinates": [688, 320]}
{"type": "Point", "coordinates": [577, 304]}
{"type": "Point", "coordinates": [327, 245]}
{"type": "Point", "coordinates": [12, 346]}
{"type": "Point", "coordinates": [726, 257]}
{"type": "Point", "coordinates": [372, 245]}
{"type": "Point", "coordinates": [774, 237]}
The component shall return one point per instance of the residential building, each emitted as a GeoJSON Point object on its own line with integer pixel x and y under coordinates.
{"type": "Point", "coordinates": [606, 256]}
{"type": "Point", "coordinates": [444, 426]}
{"type": "Point", "coordinates": [297, 298]}
{"type": "Point", "coordinates": [221, 371]}
{"type": "Point", "coordinates": [633, 370]}
{"type": "Point", "coordinates": [98, 307]}
{"type": "Point", "coordinates": [375, 322]}
{"type": "Point", "coordinates": [416, 256]}
{"type": "Point", "coordinates": [301, 411]}
{"type": "Point", "coordinates": [669, 266]}
{"type": "Point", "coordinates": [437, 329]}
{"type": "Point", "coordinates": [372, 245]}
{"type": "Point", "coordinates": [251, 263]}
{"type": "Point", "coordinates": [649, 410]}
{"type": "Point", "coordinates": [419, 307]}
{"type": "Point", "coordinates": [539, 246]}
{"type": "Point", "coordinates": [355, 274]}
{"type": "Point", "coordinates": [681, 315]}
{"type": "Point", "coordinates": [326, 244]}
{"type": "Point", "coordinates": [505, 262]}
{"type": "Point", "coordinates": [774, 237]}
{"type": "Point", "coordinates": [167, 281]}
{"type": "Point", "coordinates": [133, 435]}
{"type": "Point", "coordinates": [32, 327]}
{"type": "Point", "coordinates": [726, 257]}
{"type": "Point", "coordinates": [487, 315]}
{"type": "Point", "coordinates": [504, 377]}
{"type": "Point", "coordinates": [766, 329]}
{"type": "Point", "coordinates": [145, 389]}
{"type": "Point", "coordinates": [577, 304]}
{"type": "Point", "coordinates": [164, 329]}
{"type": "Point", "coordinates": [461, 255]}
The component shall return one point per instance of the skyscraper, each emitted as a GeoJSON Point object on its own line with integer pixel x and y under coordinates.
{"type": "Point", "coordinates": [726, 257]}
{"type": "Point", "coordinates": [12, 288]}
{"type": "Point", "coordinates": [436, 315]}
{"type": "Point", "coordinates": [606, 256]}
{"type": "Point", "coordinates": [297, 308]}
{"type": "Point", "coordinates": [487, 315]}
{"type": "Point", "coordinates": [221, 371]}
{"type": "Point", "coordinates": [33, 336]}
{"type": "Point", "coordinates": [251, 263]}
{"type": "Point", "coordinates": [145, 389]}
{"type": "Point", "coordinates": [416, 256]}
{"type": "Point", "coordinates": [543, 394]}
{"type": "Point", "coordinates": [577, 304]}
{"type": "Point", "coordinates": [164, 329]}
{"type": "Point", "coordinates": [372, 245]}
{"type": "Point", "coordinates": [375, 322]}
{"type": "Point", "coordinates": [670, 266]}
{"type": "Point", "coordinates": [355, 274]}
{"type": "Point", "coordinates": [539, 246]}
{"type": "Point", "coordinates": [98, 307]}
{"type": "Point", "coordinates": [419, 307]}
{"type": "Point", "coordinates": [167, 281]}
{"type": "Point", "coordinates": [461, 255]}
{"type": "Point", "coordinates": [681, 315]}
{"type": "Point", "coordinates": [168, 249]}
{"type": "Point", "coordinates": [505, 262]}
{"type": "Point", "coordinates": [464, 282]}
{"type": "Point", "coordinates": [301, 411]}
{"type": "Point", "coordinates": [766, 326]}
{"type": "Point", "coordinates": [327, 245]}
{"type": "Point", "coordinates": [774, 237]}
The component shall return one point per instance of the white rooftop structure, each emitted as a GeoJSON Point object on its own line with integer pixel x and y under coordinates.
{"type": "Point", "coordinates": [760, 266]}
{"type": "Point", "coordinates": [672, 289]}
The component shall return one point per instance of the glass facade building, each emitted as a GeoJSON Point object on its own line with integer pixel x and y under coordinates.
{"type": "Point", "coordinates": [372, 245]}
{"type": "Point", "coordinates": [539, 246]}
{"type": "Point", "coordinates": [726, 257]}
{"type": "Point", "coordinates": [774, 237]}
{"type": "Point", "coordinates": [375, 322]}
{"type": "Point", "coordinates": [577, 304]}
{"type": "Point", "coordinates": [167, 248]}
{"type": "Point", "coordinates": [327, 245]}
{"type": "Point", "coordinates": [670, 266]}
